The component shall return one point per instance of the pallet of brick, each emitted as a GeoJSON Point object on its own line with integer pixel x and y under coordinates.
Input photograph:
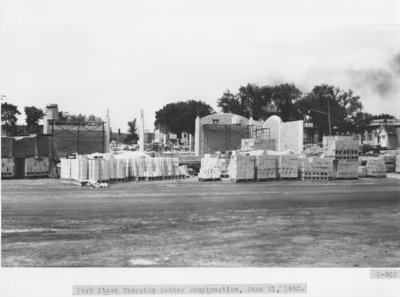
{"type": "Point", "coordinates": [94, 169]}
{"type": "Point", "coordinates": [121, 169]}
{"type": "Point", "coordinates": [376, 167]}
{"type": "Point", "coordinates": [104, 175]}
{"type": "Point", "coordinates": [111, 166]}
{"type": "Point", "coordinates": [316, 168]}
{"type": "Point", "coordinates": [397, 164]}
{"type": "Point", "coordinates": [362, 171]}
{"type": "Point", "coordinates": [346, 169]}
{"type": "Point", "coordinates": [209, 170]}
{"type": "Point", "coordinates": [287, 167]}
{"type": "Point", "coordinates": [36, 167]}
{"type": "Point", "coordinates": [241, 168]}
{"type": "Point", "coordinates": [7, 167]}
{"type": "Point", "coordinates": [78, 169]}
{"type": "Point", "coordinates": [265, 167]}
{"type": "Point", "coordinates": [341, 149]}
{"type": "Point", "coordinates": [390, 162]}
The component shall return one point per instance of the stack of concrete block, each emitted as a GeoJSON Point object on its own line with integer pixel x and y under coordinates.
{"type": "Point", "coordinates": [241, 168]}
{"type": "Point", "coordinates": [341, 149]}
{"type": "Point", "coordinates": [346, 169]}
{"type": "Point", "coordinates": [266, 167]}
{"type": "Point", "coordinates": [288, 166]}
{"type": "Point", "coordinates": [316, 168]}
{"type": "Point", "coordinates": [376, 167]}
{"type": "Point", "coordinates": [362, 171]}
{"type": "Point", "coordinates": [121, 169]}
{"type": "Point", "coordinates": [7, 167]}
{"type": "Point", "coordinates": [210, 169]}
{"type": "Point", "coordinates": [251, 144]}
{"type": "Point", "coordinates": [397, 163]}
{"type": "Point", "coordinates": [94, 169]}
{"type": "Point", "coordinates": [107, 167]}
{"type": "Point", "coordinates": [111, 166]}
{"type": "Point", "coordinates": [37, 167]}
{"type": "Point", "coordinates": [74, 169]}
{"type": "Point", "coordinates": [390, 162]}
{"type": "Point", "coordinates": [223, 165]}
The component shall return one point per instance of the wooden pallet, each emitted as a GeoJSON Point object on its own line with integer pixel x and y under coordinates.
{"type": "Point", "coordinates": [209, 179]}
{"type": "Point", "coordinates": [242, 180]}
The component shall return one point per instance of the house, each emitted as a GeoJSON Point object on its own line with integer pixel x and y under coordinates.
{"type": "Point", "coordinates": [388, 136]}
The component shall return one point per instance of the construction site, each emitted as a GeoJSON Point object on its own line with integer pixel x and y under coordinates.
{"type": "Point", "coordinates": [245, 193]}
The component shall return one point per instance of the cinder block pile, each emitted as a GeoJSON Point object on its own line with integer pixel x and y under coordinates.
{"type": "Point", "coordinates": [251, 144]}
{"type": "Point", "coordinates": [241, 168]}
{"type": "Point", "coordinates": [390, 162]}
{"type": "Point", "coordinates": [287, 167]}
{"type": "Point", "coordinates": [341, 149]}
{"type": "Point", "coordinates": [210, 169]}
{"type": "Point", "coordinates": [107, 167]}
{"type": "Point", "coordinates": [376, 167]}
{"type": "Point", "coordinates": [7, 167]}
{"type": "Point", "coordinates": [36, 167]}
{"type": "Point", "coordinates": [397, 163]}
{"type": "Point", "coordinates": [346, 169]}
{"type": "Point", "coordinates": [316, 168]}
{"type": "Point", "coordinates": [345, 151]}
{"type": "Point", "coordinates": [266, 167]}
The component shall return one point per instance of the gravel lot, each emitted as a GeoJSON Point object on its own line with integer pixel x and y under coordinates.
{"type": "Point", "coordinates": [186, 223]}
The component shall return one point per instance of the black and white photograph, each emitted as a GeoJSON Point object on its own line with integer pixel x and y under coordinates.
{"type": "Point", "coordinates": [200, 142]}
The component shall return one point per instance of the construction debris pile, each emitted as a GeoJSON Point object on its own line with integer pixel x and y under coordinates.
{"type": "Point", "coordinates": [108, 168]}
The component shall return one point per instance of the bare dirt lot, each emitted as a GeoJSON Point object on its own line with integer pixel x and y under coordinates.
{"type": "Point", "coordinates": [190, 223]}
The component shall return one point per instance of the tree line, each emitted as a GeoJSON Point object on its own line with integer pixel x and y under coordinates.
{"type": "Point", "coordinates": [345, 110]}
{"type": "Point", "coordinates": [9, 113]}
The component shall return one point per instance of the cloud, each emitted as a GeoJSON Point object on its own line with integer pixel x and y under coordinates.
{"type": "Point", "coordinates": [383, 81]}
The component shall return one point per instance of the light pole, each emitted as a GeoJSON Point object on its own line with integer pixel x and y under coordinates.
{"type": "Point", "coordinates": [325, 113]}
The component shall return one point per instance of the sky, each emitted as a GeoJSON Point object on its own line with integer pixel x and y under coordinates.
{"type": "Point", "coordinates": [88, 56]}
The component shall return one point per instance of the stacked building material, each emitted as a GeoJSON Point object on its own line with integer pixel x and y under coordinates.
{"type": "Point", "coordinates": [345, 151]}
{"type": "Point", "coordinates": [316, 168]}
{"type": "Point", "coordinates": [287, 167]}
{"type": "Point", "coordinates": [241, 168]}
{"type": "Point", "coordinates": [362, 171]}
{"type": "Point", "coordinates": [266, 167]}
{"type": "Point", "coordinates": [94, 169]}
{"type": "Point", "coordinates": [209, 169]}
{"type": "Point", "coordinates": [223, 166]}
{"type": "Point", "coordinates": [390, 162]}
{"type": "Point", "coordinates": [107, 167]}
{"type": "Point", "coordinates": [376, 167]}
{"type": "Point", "coordinates": [341, 149]}
{"type": "Point", "coordinates": [74, 169]}
{"type": "Point", "coordinates": [7, 167]}
{"type": "Point", "coordinates": [251, 144]}
{"type": "Point", "coordinates": [346, 169]}
{"type": "Point", "coordinates": [36, 167]}
{"type": "Point", "coordinates": [397, 163]}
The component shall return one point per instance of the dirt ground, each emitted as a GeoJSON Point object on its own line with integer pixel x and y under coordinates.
{"type": "Point", "coordinates": [186, 223]}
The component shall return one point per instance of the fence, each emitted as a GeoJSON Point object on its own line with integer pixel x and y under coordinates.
{"type": "Point", "coordinates": [77, 137]}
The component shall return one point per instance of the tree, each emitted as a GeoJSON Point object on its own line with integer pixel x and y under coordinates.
{"type": "Point", "coordinates": [180, 116]}
{"type": "Point", "coordinates": [285, 96]}
{"type": "Point", "coordinates": [133, 136]}
{"type": "Point", "coordinates": [343, 108]}
{"type": "Point", "coordinates": [33, 115]}
{"type": "Point", "coordinates": [9, 114]}
{"type": "Point", "coordinates": [76, 119]}
{"type": "Point", "coordinates": [251, 100]}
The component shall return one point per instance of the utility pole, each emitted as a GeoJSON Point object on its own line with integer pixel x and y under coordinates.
{"type": "Point", "coordinates": [329, 120]}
